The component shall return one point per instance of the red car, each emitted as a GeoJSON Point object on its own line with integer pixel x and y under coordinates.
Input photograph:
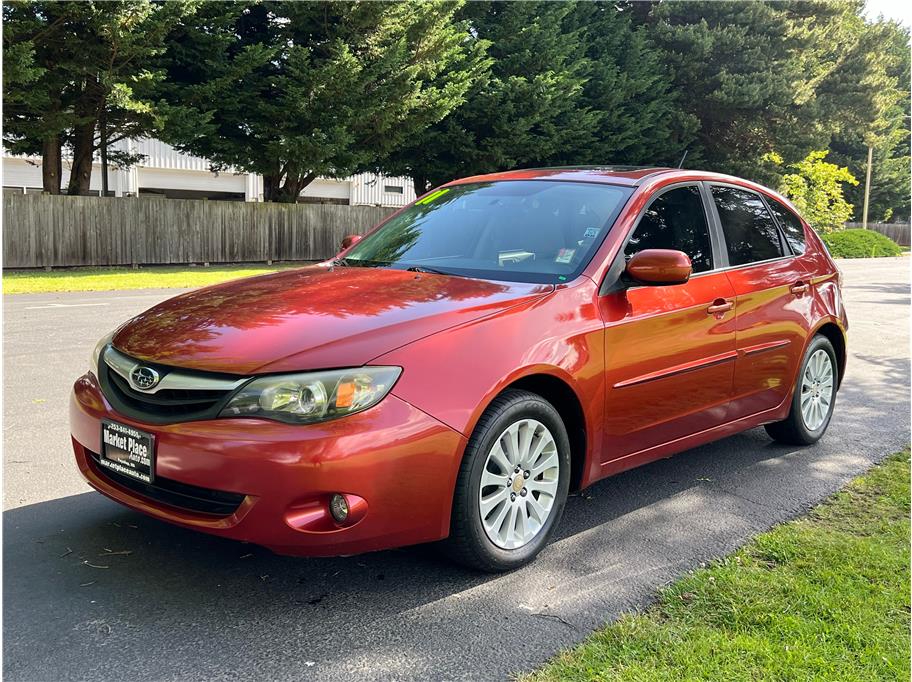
{"type": "Point", "coordinates": [503, 340]}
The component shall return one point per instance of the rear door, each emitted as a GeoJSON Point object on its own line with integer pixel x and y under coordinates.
{"type": "Point", "coordinates": [772, 299]}
{"type": "Point", "coordinates": [669, 350]}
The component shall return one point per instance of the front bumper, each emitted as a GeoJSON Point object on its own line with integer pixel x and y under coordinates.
{"type": "Point", "coordinates": [396, 464]}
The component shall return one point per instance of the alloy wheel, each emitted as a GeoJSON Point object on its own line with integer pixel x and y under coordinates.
{"type": "Point", "coordinates": [817, 387]}
{"type": "Point", "coordinates": [519, 484]}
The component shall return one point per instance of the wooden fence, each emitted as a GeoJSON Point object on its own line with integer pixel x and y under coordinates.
{"type": "Point", "coordinates": [898, 232]}
{"type": "Point", "coordinates": [41, 230]}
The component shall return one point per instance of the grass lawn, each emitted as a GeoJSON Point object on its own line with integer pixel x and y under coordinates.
{"type": "Point", "coordinates": [824, 597]}
{"type": "Point", "coordinates": [107, 279]}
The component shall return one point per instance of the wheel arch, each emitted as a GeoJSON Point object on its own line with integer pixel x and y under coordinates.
{"type": "Point", "coordinates": [565, 400]}
{"type": "Point", "coordinates": [835, 334]}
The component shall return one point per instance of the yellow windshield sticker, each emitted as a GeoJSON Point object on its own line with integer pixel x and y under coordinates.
{"type": "Point", "coordinates": [433, 195]}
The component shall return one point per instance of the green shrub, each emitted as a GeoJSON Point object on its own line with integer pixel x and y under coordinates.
{"type": "Point", "coordinates": [860, 244]}
{"type": "Point", "coordinates": [816, 190]}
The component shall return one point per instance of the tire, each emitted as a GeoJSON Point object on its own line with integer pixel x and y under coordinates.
{"type": "Point", "coordinates": [800, 428]}
{"type": "Point", "coordinates": [477, 540]}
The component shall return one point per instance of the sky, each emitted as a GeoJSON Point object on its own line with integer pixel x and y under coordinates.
{"type": "Point", "coordinates": [891, 9]}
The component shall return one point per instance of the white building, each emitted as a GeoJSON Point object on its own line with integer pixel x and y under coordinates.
{"type": "Point", "coordinates": [166, 172]}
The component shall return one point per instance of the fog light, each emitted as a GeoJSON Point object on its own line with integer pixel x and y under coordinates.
{"type": "Point", "coordinates": [338, 507]}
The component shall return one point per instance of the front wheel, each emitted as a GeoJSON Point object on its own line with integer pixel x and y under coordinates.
{"type": "Point", "coordinates": [814, 397]}
{"type": "Point", "coordinates": [512, 484]}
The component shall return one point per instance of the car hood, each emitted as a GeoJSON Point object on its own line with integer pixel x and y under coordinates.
{"type": "Point", "coordinates": [315, 317]}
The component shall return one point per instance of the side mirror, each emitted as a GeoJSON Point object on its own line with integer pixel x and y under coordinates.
{"type": "Point", "coordinates": [659, 267]}
{"type": "Point", "coordinates": [350, 240]}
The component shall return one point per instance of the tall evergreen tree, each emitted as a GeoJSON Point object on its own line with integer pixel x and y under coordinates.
{"type": "Point", "coordinates": [35, 67]}
{"type": "Point", "coordinates": [297, 90]}
{"type": "Point", "coordinates": [736, 70]}
{"type": "Point", "coordinates": [637, 115]}
{"type": "Point", "coordinates": [880, 63]}
{"type": "Point", "coordinates": [775, 77]}
{"type": "Point", "coordinates": [524, 110]}
{"type": "Point", "coordinates": [76, 65]}
{"type": "Point", "coordinates": [569, 83]}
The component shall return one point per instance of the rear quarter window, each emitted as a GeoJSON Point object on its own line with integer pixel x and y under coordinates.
{"type": "Point", "coordinates": [791, 225]}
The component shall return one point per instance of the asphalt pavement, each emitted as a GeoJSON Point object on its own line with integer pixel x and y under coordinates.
{"type": "Point", "coordinates": [92, 590]}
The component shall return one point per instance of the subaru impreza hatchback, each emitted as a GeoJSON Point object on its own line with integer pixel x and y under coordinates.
{"type": "Point", "coordinates": [503, 340]}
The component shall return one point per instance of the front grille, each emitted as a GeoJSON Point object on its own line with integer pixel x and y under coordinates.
{"type": "Point", "coordinates": [166, 403]}
{"type": "Point", "coordinates": [173, 493]}
{"type": "Point", "coordinates": [181, 395]}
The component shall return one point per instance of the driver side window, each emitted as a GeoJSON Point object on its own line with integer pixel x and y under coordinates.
{"type": "Point", "coordinates": [675, 220]}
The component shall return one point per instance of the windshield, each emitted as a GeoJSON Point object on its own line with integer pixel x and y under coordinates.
{"type": "Point", "coordinates": [524, 230]}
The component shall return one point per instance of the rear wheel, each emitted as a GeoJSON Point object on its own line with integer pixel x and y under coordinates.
{"type": "Point", "coordinates": [814, 397]}
{"type": "Point", "coordinates": [512, 484]}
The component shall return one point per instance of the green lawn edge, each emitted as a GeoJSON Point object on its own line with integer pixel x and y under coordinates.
{"type": "Point", "coordinates": [823, 597]}
{"type": "Point", "coordinates": [122, 278]}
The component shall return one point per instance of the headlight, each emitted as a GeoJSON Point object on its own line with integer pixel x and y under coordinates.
{"type": "Point", "coordinates": [312, 397]}
{"type": "Point", "coordinates": [99, 347]}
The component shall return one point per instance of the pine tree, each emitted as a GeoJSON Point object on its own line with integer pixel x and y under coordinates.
{"type": "Point", "coordinates": [295, 90]}
{"type": "Point", "coordinates": [76, 65]}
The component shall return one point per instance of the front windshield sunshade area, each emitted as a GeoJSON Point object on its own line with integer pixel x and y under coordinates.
{"type": "Point", "coordinates": [523, 230]}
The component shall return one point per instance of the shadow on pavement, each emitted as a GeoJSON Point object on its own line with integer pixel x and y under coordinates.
{"type": "Point", "coordinates": [91, 588]}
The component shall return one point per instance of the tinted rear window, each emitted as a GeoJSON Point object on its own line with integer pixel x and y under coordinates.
{"type": "Point", "coordinates": [791, 225]}
{"type": "Point", "coordinates": [750, 232]}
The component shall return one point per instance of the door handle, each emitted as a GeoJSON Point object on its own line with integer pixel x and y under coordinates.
{"type": "Point", "coordinates": [719, 306]}
{"type": "Point", "coordinates": [799, 288]}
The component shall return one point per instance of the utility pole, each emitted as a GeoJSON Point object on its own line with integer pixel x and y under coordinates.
{"type": "Point", "coordinates": [864, 215]}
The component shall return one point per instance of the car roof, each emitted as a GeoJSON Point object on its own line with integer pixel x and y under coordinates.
{"type": "Point", "coordinates": [629, 176]}
{"type": "Point", "coordinates": [614, 175]}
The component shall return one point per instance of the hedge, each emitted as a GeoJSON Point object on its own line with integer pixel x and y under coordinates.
{"type": "Point", "coordinates": [860, 244]}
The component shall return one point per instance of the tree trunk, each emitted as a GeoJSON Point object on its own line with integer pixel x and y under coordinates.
{"type": "Point", "coordinates": [103, 123]}
{"type": "Point", "coordinates": [51, 166]}
{"type": "Point", "coordinates": [421, 185]}
{"type": "Point", "coordinates": [81, 170]}
{"type": "Point", "coordinates": [271, 184]}
{"type": "Point", "coordinates": [290, 190]}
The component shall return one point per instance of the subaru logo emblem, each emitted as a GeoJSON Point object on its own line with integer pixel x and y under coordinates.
{"type": "Point", "coordinates": [144, 378]}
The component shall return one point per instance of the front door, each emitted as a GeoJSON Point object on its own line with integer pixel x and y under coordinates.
{"type": "Point", "coordinates": [669, 350]}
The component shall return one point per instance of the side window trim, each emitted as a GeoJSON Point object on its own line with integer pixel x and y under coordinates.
{"type": "Point", "coordinates": [787, 251]}
{"type": "Point", "coordinates": [716, 235]}
{"type": "Point", "coordinates": [613, 273]}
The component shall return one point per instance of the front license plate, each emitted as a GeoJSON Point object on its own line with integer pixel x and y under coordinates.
{"type": "Point", "coordinates": [127, 451]}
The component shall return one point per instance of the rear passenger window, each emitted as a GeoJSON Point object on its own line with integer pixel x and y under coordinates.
{"type": "Point", "coordinates": [791, 225]}
{"type": "Point", "coordinates": [675, 220]}
{"type": "Point", "coordinates": [750, 232]}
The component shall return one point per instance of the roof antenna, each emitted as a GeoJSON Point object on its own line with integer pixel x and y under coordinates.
{"type": "Point", "coordinates": [681, 164]}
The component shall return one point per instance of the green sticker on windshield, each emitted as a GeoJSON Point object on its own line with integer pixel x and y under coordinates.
{"type": "Point", "coordinates": [433, 195]}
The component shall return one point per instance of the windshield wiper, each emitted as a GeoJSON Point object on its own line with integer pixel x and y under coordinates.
{"type": "Point", "coordinates": [421, 268]}
{"type": "Point", "coordinates": [358, 263]}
